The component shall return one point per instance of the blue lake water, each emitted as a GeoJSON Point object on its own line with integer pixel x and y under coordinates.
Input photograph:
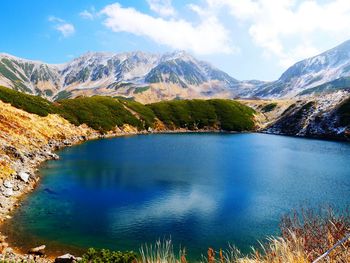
{"type": "Point", "coordinates": [201, 189]}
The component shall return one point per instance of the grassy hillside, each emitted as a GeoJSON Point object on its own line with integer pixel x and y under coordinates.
{"type": "Point", "coordinates": [145, 113]}
{"type": "Point", "coordinates": [198, 114]}
{"type": "Point", "coordinates": [99, 113]}
{"type": "Point", "coordinates": [104, 113]}
{"type": "Point", "coordinates": [28, 103]}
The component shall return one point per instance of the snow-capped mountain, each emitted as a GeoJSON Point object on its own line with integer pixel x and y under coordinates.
{"type": "Point", "coordinates": [29, 76]}
{"type": "Point", "coordinates": [326, 72]}
{"type": "Point", "coordinates": [149, 77]}
{"type": "Point", "coordinates": [144, 76]}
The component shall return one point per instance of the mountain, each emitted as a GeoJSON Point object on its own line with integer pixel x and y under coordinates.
{"type": "Point", "coordinates": [29, 76]}
{"type": "Point", "coordinates": [148, 77]}
{"type": "Point", "coordinates": [143, 76]}
{"type": "Point", "coordinates": [324, 73]}
{"type": "Point", "coordinates": [325, 117]}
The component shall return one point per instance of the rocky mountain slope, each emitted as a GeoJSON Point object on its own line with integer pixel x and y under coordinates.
{"type": "Point", "coordinates": [325, 73]}
{"type": "Point", "coordinates": [150, 77]}
{"type": "Point", "coordinates": [322, 117]}
{"type": "Point", "coordinates": [326, 116]}
{"type": "Point", "coordinates": [315, 96]}
{"type": "Point", "coordinates": [143, 76]}
{"type": "Point", "coordinates": [29, 76]}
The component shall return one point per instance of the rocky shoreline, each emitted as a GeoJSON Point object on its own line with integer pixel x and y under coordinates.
{"type": "Point", "coordinates": [23, 181]}
{"type": "Point", "coordinates": [27, 141]}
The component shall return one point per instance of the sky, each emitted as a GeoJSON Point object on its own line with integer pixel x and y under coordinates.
{"type": "Point", "coordinates": [249, 39]}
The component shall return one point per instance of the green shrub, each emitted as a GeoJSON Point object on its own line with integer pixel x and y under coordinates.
{"type": "Point", "coordinates": [269, 107]}
{"type": "Point", "coordinates": [233, 116]}
{"type": "Point", "coordinates": [107, 256]}
{"type": "Point", "coordinates": [141, 89]}
{"type": "Point", "coordinates": [99, 113]}
{"type": "Point", "coordinates": [163, 112]}
{"type": "Point", "coordinates": [344, 113]}
{"type": "Point", "coordinates": [197, 114]}
{"type": "Point", "coordinates": [143, 112]}
{"type": "Point", "coordinates": [105, 113]}
{"type": "Point", "coordinates": [28, 103]}
{"type": "Point", "coordinates": [62, 95]}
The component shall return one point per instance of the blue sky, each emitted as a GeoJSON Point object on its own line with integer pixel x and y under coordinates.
{"type": "Point", "coordinates": [249, 39]}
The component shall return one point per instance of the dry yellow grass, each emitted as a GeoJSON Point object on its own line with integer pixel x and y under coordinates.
{"type": "Point", "coordinates": [279, 250]}
{"type": "Point", "coordinates": [305, 235]}
{"type": "Point", "coordinates": [28, 132]}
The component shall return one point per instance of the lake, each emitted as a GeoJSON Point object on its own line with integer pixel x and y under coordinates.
{"type": "Point", "coordinates": [199, 189]}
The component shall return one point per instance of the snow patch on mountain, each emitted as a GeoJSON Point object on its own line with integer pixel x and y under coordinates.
{"type": "Point", "coordinates": [104, 73]}
{"type": "Point", "coordinates": [309, 73]}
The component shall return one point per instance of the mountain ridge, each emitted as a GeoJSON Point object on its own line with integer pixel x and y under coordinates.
{"type": "Point", "coordinates": [150, 77]}
{"type": "Point", "coordinates": [170, 75]}
{"type": "Point", "coordinates": [309, 73]}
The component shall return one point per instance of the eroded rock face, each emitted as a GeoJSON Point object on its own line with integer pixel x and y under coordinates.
{"type": "Point", "coordinates": [40, 250]}
{"type": "Point", "coordinates": [23, 176]}
{"type": "Point", "coordinates": [13, 152]}
{"type": "Point", "coordinates": [8, 184]}
{"type": "Point", "coordinates": [8, 192]}
{"type": "Point", "coordinates": [67, 258]}
{"type": "Point", "coordinates": [3, 201]}
{"type": "Point", "coordinates": [67, 142]}
{"type": "Point", "coordinates": [320, 118]}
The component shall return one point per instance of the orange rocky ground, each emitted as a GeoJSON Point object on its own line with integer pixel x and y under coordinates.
{"type": "Point", "coordinates": [23, 134]}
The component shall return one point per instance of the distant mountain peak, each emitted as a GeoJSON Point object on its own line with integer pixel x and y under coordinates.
{"type": "Point", "coordinates": [150, 77]}
{"type": "Point", "coordinates": [12, 57]}
{"type": "Point", "coordinates": [179, 54]}
{"type": "Point", "coordinates": [171, 75]}
{"type": "Point", "coordinates": [310, 73]}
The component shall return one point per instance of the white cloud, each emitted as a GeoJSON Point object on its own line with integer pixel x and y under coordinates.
{"type": "Point", "coordinates": [162, 7]}
{"type": "Point", "coordinates": [290, 29]}
{"type": "Point", "coordinates": [55, 19]}
{"type": "Point", "coordinates": [66, 29]}
{"type": "Point", "coordinates": [88, 14]}
{"type": "Point", "coordinates": [300, 52]}
{"type": "Point", "coordinates": [208, 36]}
